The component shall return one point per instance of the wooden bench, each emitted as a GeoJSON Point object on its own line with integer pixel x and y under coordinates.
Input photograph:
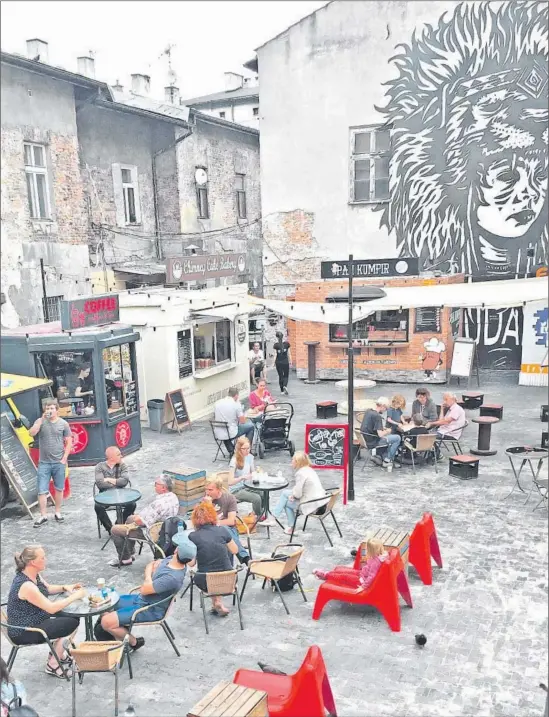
{"type": "Point", "coordinates": [230, 700]}
{"type": "Point", "coordinates": [495, 410]}
{"type": "Point", "coordinates": [463, 466]}
{"type": "Point", "coordinates": [326, 409]}
{"type": "Point", "coordinates": [390, 538]}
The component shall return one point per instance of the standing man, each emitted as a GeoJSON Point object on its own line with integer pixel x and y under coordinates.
{"type": "Point", "coordinates": [282, 361]}
{"type": "Point", "coordinates": [378, 437]}
{"type": "Point", "coordinates": [112, 473]}
{"type": "Point", "coordinates": [257, 364]}
{"type": "Point", "coordinates": [229, 410]}
{"type": "Point", "coordinates": [55, 445]}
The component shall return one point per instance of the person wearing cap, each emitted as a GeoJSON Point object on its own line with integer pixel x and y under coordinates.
{"type": "Point", "coordinates": [378, 437]}
{"type": "Point", "coordinates": [163, 579]}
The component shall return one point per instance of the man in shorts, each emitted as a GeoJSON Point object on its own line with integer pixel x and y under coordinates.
{"type": "Point", "coordinates": [257, 364]}
{"type": "Point", "coordinates": [163, 579]}
{"type": "Point", "coordinates": [55, 445]}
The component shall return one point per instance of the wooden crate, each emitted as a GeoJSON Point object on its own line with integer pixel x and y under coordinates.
{"type": "Point", "coordinates": [390, 538]}
{"type": "Point", "coordinates": [230, 700]}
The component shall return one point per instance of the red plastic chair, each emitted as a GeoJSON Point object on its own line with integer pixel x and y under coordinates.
{"type": "Point", "coordinates": [423, 546]}
{"type": "Point", "coordinates": [382, 594]}
{"type": "Point", "coordinates": [307, 693]}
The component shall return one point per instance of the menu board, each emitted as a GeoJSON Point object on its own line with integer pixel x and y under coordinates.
{"type": "Point", "coordinates": [17, 466]}
{"type": "Point", "coordinates": [428, 320]}
{"type": "Point", "coordinates": [184, 353]}
{"type": "Point", "coordinates": [326, 445]}
{"type": "Point", "coordinates": [462, 358]}
{"type": "Point", "coordinates": [180, 415]}
{"type": "Point", "coordinates": [130, 397]}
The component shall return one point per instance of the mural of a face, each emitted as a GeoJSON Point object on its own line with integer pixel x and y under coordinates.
{"type": "Point", "coordinates": [469, 155]}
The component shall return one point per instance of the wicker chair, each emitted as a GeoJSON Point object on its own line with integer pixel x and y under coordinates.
{"type": "Point", "coordinates": [97, 657]}
{"type": "Point", "coordinates": [150, 538]}
{"type": "Point", "coordinates": [15, 648]}
{"type": "Point", "coordinates": [221, 584]}
{"type": "Point", "coordinates": [328, 510]}
{"type": "Point", "coordinates": [424, 443]}
{"type": "Point", "coordinates": [276, 568]}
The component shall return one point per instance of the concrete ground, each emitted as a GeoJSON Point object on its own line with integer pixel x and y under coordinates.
{"type": "Point", "coordinates": [485, 616]}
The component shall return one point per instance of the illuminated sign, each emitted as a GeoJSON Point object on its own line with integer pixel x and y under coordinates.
{"type": "Point", "coordinates": [89, 311]}
{"type": "Point", "coordinates": [202, 267]}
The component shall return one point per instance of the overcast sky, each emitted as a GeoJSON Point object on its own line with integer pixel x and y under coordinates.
{"type": "Point", "coordinates": [210, 37]}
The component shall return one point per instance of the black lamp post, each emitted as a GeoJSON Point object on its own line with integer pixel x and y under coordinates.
{"type": "Point", "coordinates": [368, 293]}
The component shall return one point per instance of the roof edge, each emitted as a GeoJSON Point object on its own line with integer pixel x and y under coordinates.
{"type": "Point", "coordinates": [293, 25]}
{"type": "Point", "coordinates": [149, 114]}
{"type": "Point", "coordinates": [209, 119]}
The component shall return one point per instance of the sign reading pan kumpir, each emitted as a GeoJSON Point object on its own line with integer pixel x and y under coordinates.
{"type": "Point", "coordinates": [207, 266]}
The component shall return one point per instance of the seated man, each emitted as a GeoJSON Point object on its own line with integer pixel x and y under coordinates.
{"type": "Point", "coordinates": [163, 578]}
{"type": "Point", "coordinates": [165, 505]}
{"type": "Point", "coordinates": [378, 437]}
{"type": "Point", "coordinates": [453, 422]}
{"type": "Point", "coordinates": [225, 505]}
{"type": "Point", "coordinates": [112, 473]}
{"type": "Point", "coordinates": [229, 410]}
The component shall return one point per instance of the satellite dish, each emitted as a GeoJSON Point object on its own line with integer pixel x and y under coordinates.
{"type": "Point", "coordinates": [201, 176]}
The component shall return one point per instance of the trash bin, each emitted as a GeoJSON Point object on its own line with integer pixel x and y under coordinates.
{"type": "Point", "coordinates": [156, 410]}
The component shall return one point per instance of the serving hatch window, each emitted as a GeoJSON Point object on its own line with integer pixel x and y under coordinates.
{"type": "Point", "coordinates": [120, 383]}
{"type": "Point", "coordinates": [380, 327]}
{"type": "Point", "coordinates": [73, 380]}
{"type": "Point", "coordinates": [213, 344]}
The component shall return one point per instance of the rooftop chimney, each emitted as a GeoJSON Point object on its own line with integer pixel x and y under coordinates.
{"type": "Point", "coordinates": [86, 66]}
{"type": "Point", "coordinates": [141, 84]}
{"type": "Point", "coordinates": [118, 87]}
{"type": "Point", "coordinates": [171, 95]}
{"type": "Point", "coordinates": [233, 81]}
{"type": "Point", "coordinates": [37, 50]}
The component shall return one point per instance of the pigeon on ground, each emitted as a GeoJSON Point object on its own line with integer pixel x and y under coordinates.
{"type": "Point", "coordinates": [421, 640]}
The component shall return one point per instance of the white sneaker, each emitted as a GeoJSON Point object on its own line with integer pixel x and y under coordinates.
{"type": "Point", "coordinates": [268, 523]}
{"type": "Point", "coordinates": [288, 530]}
{"type": "Point", "coordinates": [389, 467]}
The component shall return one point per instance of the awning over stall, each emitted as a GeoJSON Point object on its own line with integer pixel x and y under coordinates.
{"type": "Point", "coordinates": [228, 311]}
{"type": "Point", "coordinates": [481, 295]}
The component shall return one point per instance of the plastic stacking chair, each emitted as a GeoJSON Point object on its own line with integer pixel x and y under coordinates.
{"type": "Point", "coordinates": [423, 546]}
{"type": "Point", "coordinates": [382, 594]}
{"type": "Point", "coordinates": [306, 693]}
{"type": "Point", "coordinates": [15, 648]}
{"type": "Point", "coordinates": [328, 511]}
{"type": "Point", "coordinates": [97, 657]}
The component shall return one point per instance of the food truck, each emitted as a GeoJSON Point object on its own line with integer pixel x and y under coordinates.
{"type": "Point", "coordinates": [89, 357]}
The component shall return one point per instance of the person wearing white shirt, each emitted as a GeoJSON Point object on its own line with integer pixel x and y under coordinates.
{"type": "Point", "coordinates": [229, 410]}
{"type": "Point", "coordinates": [256, 359]}
{"type": "Point", "coordinates": [307, 488]}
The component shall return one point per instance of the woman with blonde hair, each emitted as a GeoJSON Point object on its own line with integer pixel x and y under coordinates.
{"type": "Point", "coordinates": [29, 606]}
{"type": "Point", "coordinates": [307, 488]}
{"type": "Point", "coordinates": [214, 544]}
{"type": "Point", "coordinates": [241, 468]}
{"type": "Point", "coordinates": [395, 411]}
{"type": "Point", "coordinates": [363, 578]}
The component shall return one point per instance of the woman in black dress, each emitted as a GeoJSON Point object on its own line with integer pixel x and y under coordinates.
{"type": "Point", "coordinates": [282, 361]}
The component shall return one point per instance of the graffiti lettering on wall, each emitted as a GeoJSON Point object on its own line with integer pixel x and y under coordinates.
{"type": "Point", "coordinates": [540, 327]}
{"type": "Point", "coordinates": [497, 334]}
{"type": "Point", "coordinates": [213, 397]}
{"type": "Point", "coordinates": [468, 167]}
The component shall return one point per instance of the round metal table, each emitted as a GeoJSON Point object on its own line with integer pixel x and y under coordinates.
{"type": "Point", "coordinates": [526, 455]}
{"type": "Point", "coordinates": [264, 486]}
{"type": "Point", "coordinates": [117, 498]}
{"type": "Point", "coordinates": [360, 387]}
{"type": "Point", "coordinates": [82, 609]}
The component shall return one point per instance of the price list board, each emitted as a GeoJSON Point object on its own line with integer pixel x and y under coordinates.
{"type": "Point", "coordinates": [130, 397]}
{"type": "Point", "coordinates": [184, 353]}
{"type": "Point", "coordinates": [428, 320]}
{"type": "Point", "coordinates": [17, 466]}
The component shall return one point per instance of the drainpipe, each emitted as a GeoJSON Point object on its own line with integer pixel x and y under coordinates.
{"type": "Point", "coordinates": [157, 245]}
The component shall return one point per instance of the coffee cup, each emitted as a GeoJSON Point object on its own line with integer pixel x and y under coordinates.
{"type": "Point", "coordinates": [100, 584]}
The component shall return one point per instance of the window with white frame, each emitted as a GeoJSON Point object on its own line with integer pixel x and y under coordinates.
{"type": "Point", "coordinates": [37, 180]}
{"type": "Point", "coordinates": [370, 153]}
{"type": "Point", "coordinates": [240, 188]}
{"type": "Point", "coordinates": [126, 194]}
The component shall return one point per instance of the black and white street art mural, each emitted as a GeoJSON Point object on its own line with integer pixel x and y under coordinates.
{"type": "Point", "coordinates": [469, 118]}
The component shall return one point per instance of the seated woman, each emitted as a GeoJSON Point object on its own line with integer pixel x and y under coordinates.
{"type": "Point", "coordinates": [425, 405]}
{"type": "Point", "coordinates": [241, 468]}
{"type": "Point", "coordinates": [29, 606]}
{"type": "Point", "coordinates": [261, 398]}
{"type": "Point", "coordinates": [214, 544]}
{"type": "Point", "coordinates": [363, 578]}
{"type": "Point", "coordinates": [395, 413]}
{"type": "Point", "coordinates": [307, 487]}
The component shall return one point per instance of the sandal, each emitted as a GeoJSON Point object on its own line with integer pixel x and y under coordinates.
{"type": "Point", "coordinates": [57, 672]}
{"type": "Point", "coordinates": [140, 641]}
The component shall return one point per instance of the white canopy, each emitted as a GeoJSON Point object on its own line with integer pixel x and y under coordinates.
{"type": "Point", "coordinates": [481, 295]}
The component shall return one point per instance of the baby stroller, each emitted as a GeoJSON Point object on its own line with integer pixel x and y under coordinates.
{"type": "Point", "coordinates": [274, 429]}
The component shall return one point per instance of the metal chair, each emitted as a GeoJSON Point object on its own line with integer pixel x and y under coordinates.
{"type": "Point", "coordinates": [245, 534]}
{"type": "Point", "coordinates": [5, 626]}
{"type": "Point", "coordinates": [276, 568]}
{"type": "Point", "coordinates": [110, 509]}
{"type": "Point", "coordinates": [97, 657]}
{"type": "Point", "coordinates": [333, 494]}
{"type": "Point", "coordinates": [542, 486]}
{"type": "Point", "coordinates": [221, 443]}
{"type": "Point", "coordinates": [423, 443]}
{"type": "Point", "coordinates": [221, 584]}
{"type": "Point", "coordinates": [150, 538]}
{"type": "Point", "coordinates": [452, 441]}
{"type": "Point", "coordinates": [169, 601]}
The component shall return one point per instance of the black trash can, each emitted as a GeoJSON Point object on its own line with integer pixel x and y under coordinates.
{"type": "Point", "coordinates": [156, 411]}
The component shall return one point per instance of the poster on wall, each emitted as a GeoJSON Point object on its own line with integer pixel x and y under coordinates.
{"type": "Point", "coordinates": [533, 368]}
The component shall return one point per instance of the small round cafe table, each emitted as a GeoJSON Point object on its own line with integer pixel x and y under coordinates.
{"type": "Point", "coordinates": [117, 498]}
{"type": "Point", "coordinates": [82, 609]}
{"type": "Point", "coordinates": [264, 486]}
{"type": "Point", "coordinates": [360, 400]}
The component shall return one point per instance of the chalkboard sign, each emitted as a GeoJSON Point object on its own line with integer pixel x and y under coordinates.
{"type": "Point", "coordinates": [175, 404]}
{"type": "Point", "coordinates": [326, 445]}
{"type": "Point", "coordinates": [463, 359]}
{"type": "Point", "coordinates": [428, 320]}
{"type": "Point", "coordinates": [184, 353]}
{"type": "Point", "coordinates": [130, 397]}
{"type": "Point", "coordinates": [17, 466]}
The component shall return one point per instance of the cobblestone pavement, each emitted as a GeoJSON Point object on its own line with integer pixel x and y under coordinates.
{"type": "Point", "coordinates": [485, 616]}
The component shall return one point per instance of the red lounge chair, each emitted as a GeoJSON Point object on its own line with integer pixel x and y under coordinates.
{"type": "Point", "coordinates": [423, 546]}
{"type": "Point", "coordinates": [382, 594]}
{"type": "Point", "coordinates": [307, 693]}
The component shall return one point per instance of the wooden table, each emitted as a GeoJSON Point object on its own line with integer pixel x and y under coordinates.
{"type": "Point", "coordinates": [484, 433]}
{"type": "Point", "coordinates": [230, 700]}
{"type": "Point", "coordinates": [390, 538]}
